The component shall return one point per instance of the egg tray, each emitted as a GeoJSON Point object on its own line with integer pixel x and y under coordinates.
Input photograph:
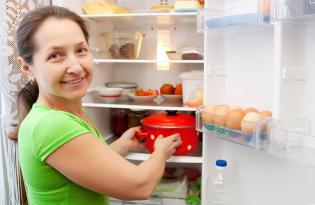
{"type": "Point", "coordinates": [256, 140]}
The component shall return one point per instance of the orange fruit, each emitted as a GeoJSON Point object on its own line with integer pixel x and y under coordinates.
{"type": "Point", "coordinates": [178, 89]}
{"type": "Point", "coordinates": [167, 89]}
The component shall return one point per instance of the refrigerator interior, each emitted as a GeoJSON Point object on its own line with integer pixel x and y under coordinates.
{"type": "Point", "coordinates": [146, 75]}
{"type": "Point", "coordinates": [267, 67]}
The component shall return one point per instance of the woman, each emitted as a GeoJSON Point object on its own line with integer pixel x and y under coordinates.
{"type": "Point", "coordinates": [63, 157]}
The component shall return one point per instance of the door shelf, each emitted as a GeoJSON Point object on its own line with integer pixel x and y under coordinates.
{"type": "Point", "coordinates": [297, 9]}
{"type": "Point", "coordinates": [140, 19]}
{"type": "Point", "coordinates": [290, 139]}
{"type": "Point", "coordinates": [242, 13]}
{"type": "Point", "coordinates": [98, 61]}
{"type": "Point", "coordinates": [257, 139]}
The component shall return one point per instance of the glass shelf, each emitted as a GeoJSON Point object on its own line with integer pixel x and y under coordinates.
{"type": "Point", "coordinates": [91, 100]}
{"type": "Point", "coordinates": [98, 61]}
{"type": "Point", "coordinates": [147, 18]}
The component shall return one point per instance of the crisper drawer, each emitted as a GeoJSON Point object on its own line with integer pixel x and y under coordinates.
{"type": "Point", "coordinates": [286, 9]}
{"type": "Point", "coordinates": [221, 14]}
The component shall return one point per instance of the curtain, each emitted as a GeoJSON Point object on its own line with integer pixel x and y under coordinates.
{"type": "Point", "coordinates": [12, 80]}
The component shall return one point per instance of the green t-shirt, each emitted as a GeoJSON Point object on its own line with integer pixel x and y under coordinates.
{"type": "Point", "coordinates": [40, 134]}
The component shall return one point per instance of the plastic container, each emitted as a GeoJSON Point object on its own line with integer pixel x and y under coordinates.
{"type": "Point", "coordinates": [192, 88]}
{"type": "Point", "coordinates": [217, 185]}
{"type": "Point", "coordinates": [173, 188]}
{"type": "Point", "coordinates": [123, 45]}
{"type": "Point", "coordinates": [286, 9]}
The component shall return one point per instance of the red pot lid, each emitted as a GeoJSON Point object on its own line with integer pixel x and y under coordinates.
{"type": "Point", "coordinates": [169, 121]}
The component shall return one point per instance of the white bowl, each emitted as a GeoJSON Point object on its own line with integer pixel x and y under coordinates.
{"type": "Point", "coordinates": [172, 98]}
{"type": "Point", "coordinates": [109, 94]}
{"type": "Point", "coordinates": [142, 99]}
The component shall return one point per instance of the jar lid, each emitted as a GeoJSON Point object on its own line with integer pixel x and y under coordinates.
{"type": "Point", "coordinates": [169, 121]}
{"type": "Point", "coordinates": [118, 84]}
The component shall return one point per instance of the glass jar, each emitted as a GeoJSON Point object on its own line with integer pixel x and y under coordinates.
{"type": "Point", "coordinates": [135, 117]}
{"type": "Point", "coordinates": [119, 121]}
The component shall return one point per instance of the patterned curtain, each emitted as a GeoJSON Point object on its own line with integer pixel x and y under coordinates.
{"type": "Point", "coordinates": [12, 80]}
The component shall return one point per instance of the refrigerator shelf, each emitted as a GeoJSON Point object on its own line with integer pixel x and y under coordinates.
{"type": "Point", "coordinates": [152, 106]}
{"type": "Point", "coordinates": [98, 61]}
{"type": "Point", "coordinates": [257, 139]}
{"type": "Point", "coordinates": [242, 13]}
{"type": "Point", "coordinates": [92, 100]}
{"type": "Point", "coordinates": [294, 9]}
{"type": "Point", "coordinates": [146, 18]}
{"type": "Point", "coordinates": [290, 139]}
{"type": "Point", "coordinates": [173, 159]}
{"type": "Point", "coordinates": [165, 201]}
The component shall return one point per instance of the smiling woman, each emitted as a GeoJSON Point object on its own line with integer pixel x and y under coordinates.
{"type": "Point", "coordinates": [59, 146]}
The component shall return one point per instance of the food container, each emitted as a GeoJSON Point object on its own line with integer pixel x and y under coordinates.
{"type": "Point", "coordinates": [128, 88]}
{"type": "Point", "coordinates": [174, 55]}
{"type": "Point", "coordinates": [119, 121]}
{"type": "Point", "coordinates": [109, 95]}
{"type": "Point", "coordinates": [192, 88]}
{"type": "Point", "coordinates": [191, 53]}
{"type": "Point", "coordinates": [135, 116]}
{"type": "Point", "coordinates": [123, 45]}
{"type": "Point", "coordinates": [169, 124]}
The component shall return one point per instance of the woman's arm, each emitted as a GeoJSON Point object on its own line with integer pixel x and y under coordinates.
{"type": "Point", "coordinates": [94, 165]}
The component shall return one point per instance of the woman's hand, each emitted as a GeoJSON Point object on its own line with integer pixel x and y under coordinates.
{"type": "Point", "coordinates": [127, 141]}
{"type": "Point", "coordinates": [167, 145]}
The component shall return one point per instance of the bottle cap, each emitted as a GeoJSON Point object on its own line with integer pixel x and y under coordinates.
{"type": "Point", "coordinates": [221, 163]}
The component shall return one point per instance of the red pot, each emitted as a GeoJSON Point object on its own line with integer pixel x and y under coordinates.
{"type": "Point", "coordinates": [168, 124]}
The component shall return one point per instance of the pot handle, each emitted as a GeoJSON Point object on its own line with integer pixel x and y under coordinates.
{"type": "Point", "coordinates": [141, 136]}
{"type": "Point", "coordinates": [171, 112]}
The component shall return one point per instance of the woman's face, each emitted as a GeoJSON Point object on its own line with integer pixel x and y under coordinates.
{"type": "Point", "coordinates": [62, 63]}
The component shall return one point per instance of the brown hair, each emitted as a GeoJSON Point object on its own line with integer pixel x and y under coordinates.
{"type": "Point", "coordinates": [26, 46]}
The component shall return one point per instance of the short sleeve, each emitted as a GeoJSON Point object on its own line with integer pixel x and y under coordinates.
{"type": "Point", "coordinates": [54, 130]}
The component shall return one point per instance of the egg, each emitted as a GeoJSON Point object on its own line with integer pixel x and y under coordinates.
{"type": "Point", "coordinates": [208, 113]}
{"type": "Point", "coordinates": [220, 114]}
{"type": "Point", "coordinates": [234, 118]}
{"type": "Point", "coordinates": [251, 109]}
{"type": "Point", "coordinates": [249, 122]}
{"type": "Point", "coordinates": [265, 114]}
{"type": "Point", "coordinates": [234, 107]}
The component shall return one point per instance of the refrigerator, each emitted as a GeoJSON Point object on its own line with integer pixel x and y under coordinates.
{"type": "Point", "coordinates": [257, 53]}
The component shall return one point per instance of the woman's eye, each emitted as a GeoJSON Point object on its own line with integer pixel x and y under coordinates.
{"type": "Point", "coordinates": [82, 50]}
{"type": "Point", "coordinates": [55, 56]}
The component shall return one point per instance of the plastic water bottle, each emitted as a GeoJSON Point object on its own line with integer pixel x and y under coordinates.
{"type": "Point", "coordinates": [217, 185]}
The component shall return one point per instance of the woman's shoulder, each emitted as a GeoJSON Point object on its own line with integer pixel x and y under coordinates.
{"type": "Point", "coordinates": [42, 117]}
